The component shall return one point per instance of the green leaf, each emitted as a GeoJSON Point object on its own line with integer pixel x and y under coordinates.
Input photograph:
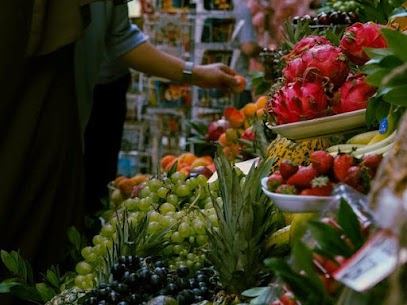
{"type": "Point", "coordinates": [254, 292]}
{"type": "Point", "coordinates": [17, 265]}
{"type": "Point", "coordinates": [7, 285]}
{"type": "Point", "coordinates": [397, 96]}
{"type": "Point", "coordinates": [45, 292]}
{"type": "Point", "coordinates": [382, 110]}
{"type": "Point", "coordinates": [397, 41]}
{"type": "Point", "coordinates": [74, 237]}
{"type": "Point", "coordinates": [303, 258]}
{"type": "Point", "coordinates": [376, 78]}
{"type": "Point", "coordinates": [377, 53]}
{"type": "Point", "coordinates": [299, 284]}
{"type": "Point", "coordinates": [350, 224]}
{"type": "Point", "coordinates": [396, 77]}
{"type": "Point", "coordinates": [269, 294]}
{"type": "Point", "coordinates": [10, 261]}
{"type": "Point", "coordinates": [329, 239]}
{"type": "Point", "coordinates": [53, 277]}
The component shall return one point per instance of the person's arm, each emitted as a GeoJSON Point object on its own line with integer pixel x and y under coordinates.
{"type": "Point", "coordinates": [148, 59]}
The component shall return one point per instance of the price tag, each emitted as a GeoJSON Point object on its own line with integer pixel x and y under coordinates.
{"type": "Point", "coordinates": [375, 261]}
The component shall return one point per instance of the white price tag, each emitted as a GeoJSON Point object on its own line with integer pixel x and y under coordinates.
{"type": "Point", "coordinates": [375, 261]}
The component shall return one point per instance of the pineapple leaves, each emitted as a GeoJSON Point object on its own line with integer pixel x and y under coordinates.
{"type": "Point", "coordinates": [244, 217]}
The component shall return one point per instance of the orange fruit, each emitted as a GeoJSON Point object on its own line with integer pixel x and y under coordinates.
{"type": "Point", "coordinates": [261, 112]}
{"type": "Point", "coordinates": [126, 186]}
{"type": "Point", "coordinates": [186, 158]}
{"type": "Point", "coordinates": [138, 179]}
{"type": "Point", "coordinates": [200, 161]}
{"type": "Point", "coordinates": [241, 84]}
{"type": "Point", "coordinates": [165, 160]}
{"type": "Point", "coordinates": [118, 179]}
{"type": "Point", "coordinates": [185, 170]}
{"type": "Point", "coordinates": [236, 119]}
{"type": "Point", "coordinates": [261, 101]}
{"type": "Point", "coordinates": [222, 140]}
{"type": "Point", "coordinates": [249, 110]}
{"type": "Point", "coordinates": [167, 168]}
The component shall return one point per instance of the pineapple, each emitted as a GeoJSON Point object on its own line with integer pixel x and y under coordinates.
{"type": "Point", "coordinates": [69, 296]}
{"type": "Point", "coordinates": [245, 218]}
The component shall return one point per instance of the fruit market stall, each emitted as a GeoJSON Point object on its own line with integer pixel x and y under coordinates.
{"type": "Point", "coordinates": [307, 206]}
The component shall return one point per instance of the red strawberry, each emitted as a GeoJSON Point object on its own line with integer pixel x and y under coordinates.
{"type": "Point", "coordinates": [303, 177]}
{"type": "Point", "coordinates": [342, 162]}
{"type": "Point", "coordinates": [287, 168]}
{"type": "Point", "coordinates": [286, 189]}
{"type": "Point", "coordinates": [372, 162]}
{"type": "Point", "coordinates": [358, 178]}
{"type": "Point", "coordinates": [274, 180]}
{"type": "Point", "coordinates": [320, 186]}
{"type": "Point", "coordinates": [322, 161]}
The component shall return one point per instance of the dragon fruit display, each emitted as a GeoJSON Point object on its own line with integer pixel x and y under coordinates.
{"type": "Point", "coordinates": [359, 36]}
{"type": "Point", "coordinates": [354, 94]}
{"type": "Point", "coordinates": [299, 101]}
{"type": "Point", "coordinates": [317, 80]}
{"type": "Point", "coordinates": [305, 44]}
{"type": "Point", "coordinates": [322, 61]}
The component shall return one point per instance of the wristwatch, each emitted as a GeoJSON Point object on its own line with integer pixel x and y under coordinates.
{"type": "Point", "coordinates": [187, 72]}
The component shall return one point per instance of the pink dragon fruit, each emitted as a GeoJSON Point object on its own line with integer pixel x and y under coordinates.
{"type": "Point", "coordinates": [305, 44]}
{"type": "Point", "coordinates": [323, 62]}
{"type": "Point", "coordinates": [355, 94]}
{"type": "Point", "coordinates": [359, 36]}
{"type": "Point", "coordinates": [298, 101]}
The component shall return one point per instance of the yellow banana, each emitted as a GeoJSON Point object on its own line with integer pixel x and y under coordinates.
{"type": "Point", "coordinates": [380, 151]}
{"type": "Point", "coordinates": [362, 138]}
{"type": "Point", "coordinates": [391, 127]}
{"type": "Point", "coordinates": [370, 148]}
{"type": "Point", "coordinates": [279, 238]}
{"type": "Point", "coordinates": [344, 148]}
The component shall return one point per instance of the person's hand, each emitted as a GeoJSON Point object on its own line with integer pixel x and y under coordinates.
{"type": "Point", "coordinates": [214, 76]}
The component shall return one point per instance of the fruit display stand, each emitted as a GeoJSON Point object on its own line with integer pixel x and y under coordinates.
{"type": "Point", "coordinates": [179, 238]}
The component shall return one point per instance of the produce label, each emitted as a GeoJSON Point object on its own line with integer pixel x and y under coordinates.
{"type": "Point", "coordinates": [375, 261]}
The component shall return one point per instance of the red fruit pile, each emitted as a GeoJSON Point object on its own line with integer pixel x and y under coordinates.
{"type": "Point", "coordinates": [318, 178]}
{"type": "Point", "coordinates": [318, 77]}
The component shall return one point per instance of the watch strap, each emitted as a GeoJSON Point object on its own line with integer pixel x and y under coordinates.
{"type": "Point", "coordinates": [187, 72]}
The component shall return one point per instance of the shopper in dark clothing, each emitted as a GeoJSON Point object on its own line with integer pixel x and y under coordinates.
{"type": "Point", "coordinates": [42, 123]}
{"type": "Point", "coordinates": [103, 137]}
